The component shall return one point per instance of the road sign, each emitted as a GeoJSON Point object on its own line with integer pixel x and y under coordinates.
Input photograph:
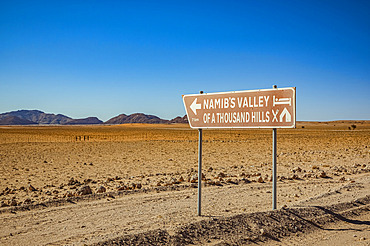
{"type": "Point", "coordinates": [267, 108]}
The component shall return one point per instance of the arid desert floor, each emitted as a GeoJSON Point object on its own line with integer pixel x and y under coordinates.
{"type": "Point", "coordinates": [137, 184]}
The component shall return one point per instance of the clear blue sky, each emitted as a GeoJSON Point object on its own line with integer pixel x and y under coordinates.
{"type": "Point", "coordinates": [104, 58]}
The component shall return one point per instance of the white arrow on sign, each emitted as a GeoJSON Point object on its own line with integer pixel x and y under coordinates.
{"type": "Point", "coordinates": [194, 106]}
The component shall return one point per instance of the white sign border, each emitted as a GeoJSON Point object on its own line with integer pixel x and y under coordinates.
{"type": "Point", "coordinates": [244, 127]}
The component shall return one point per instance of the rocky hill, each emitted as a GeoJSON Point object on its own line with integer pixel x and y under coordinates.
{"type": "Point", "coordinates": [37, 117]}
{"type": "Point", "coordinates": [14, 120]}
{"type": "Point", "coordinates": [85, 121]}
{"type": "Point", "coordinates": [180, 120]}
{"type": "Point", "coordinates": [136, 118]}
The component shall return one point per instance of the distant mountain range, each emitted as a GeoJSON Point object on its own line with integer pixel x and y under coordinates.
{"type": "Point", "coordinates": [37, 117]}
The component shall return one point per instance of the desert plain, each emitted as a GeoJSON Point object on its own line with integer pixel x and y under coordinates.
{"type": "Point", "coordinates": [137, 184]}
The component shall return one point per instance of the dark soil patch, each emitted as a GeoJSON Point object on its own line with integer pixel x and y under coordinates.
{"type": "Point", "coordinates": [251, 228]}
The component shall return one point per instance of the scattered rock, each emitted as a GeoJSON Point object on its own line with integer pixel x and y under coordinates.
{"type": "Point", "coordinates": [322, 174]}
{"type": "Point", "coordinates": [296, 170]}
{"type": "Point", "coordinates": [110, 195]}
{"type": "Point", "coordinates": [221, 175]}
{"type": "Point", "coordinates": [260, 179]}
{"type": "Point", "coordinates": [3, 204]}
{"type": "Point", "coordinates": [307, 175]}
{"type": "Point", "coordinates": [245, 180]}
{"type": "Point", "coordinates": [31, 188]}
{"type": "Point", "coordinates": [13, 202]}
{"type": "Point", "coordinates": [230, 181]}
{"type": "Point", "coordinates": [27, 201]}
{"type": "Point", "coordinates": [68, 194]}
{"type": "Point", "coordinates": [101, 189]}
{"type": "Point", "coordinates": [194, 178]}
{"type": "Point", "coordinates": [294, 176]}
{"type": "Point", "coordinates": [173, 181]}
{"type": "Point", "coordinates": [84, 190]}
{"type": "Point", "coordinates": [213, 182]}
{"type": "Point", "coordinates": [123, 187]}
{"type": "Point", "coordinates": [73, 181]}
{"type": "Point", "coordinates": [6, 191]}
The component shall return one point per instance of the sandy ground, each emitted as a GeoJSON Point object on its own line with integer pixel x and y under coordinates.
{"type": "Point", "coordinates": [148, 179]}
{"type": "Point", "coordinates": [355, 232]}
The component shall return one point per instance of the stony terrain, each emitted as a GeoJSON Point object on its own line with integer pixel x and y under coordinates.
{"type": "Point", "coordinates": [77, 185]}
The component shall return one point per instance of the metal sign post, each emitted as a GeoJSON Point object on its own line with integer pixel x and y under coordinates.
{"type": "Point", "coordinates": [200, 141]}
{"type": "Point", "coordinates": [200, 173]}
{"type": "Point", "coordinates": [274, 189]}
{"type": "Point", "coordinates": [274, 195]}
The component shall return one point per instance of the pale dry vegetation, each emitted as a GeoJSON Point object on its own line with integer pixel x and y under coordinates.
{"type": "Point", "coordinates": [144, 177]}
{"type": "Point", "coordinates": [140, 156]}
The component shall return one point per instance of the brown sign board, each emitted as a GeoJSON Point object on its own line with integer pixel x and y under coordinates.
{"type": "Point", "coordinates": [265, 108]}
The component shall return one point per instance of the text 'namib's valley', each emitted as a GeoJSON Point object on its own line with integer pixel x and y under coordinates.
{"type": "Point", "coordinates": [232, 102]}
